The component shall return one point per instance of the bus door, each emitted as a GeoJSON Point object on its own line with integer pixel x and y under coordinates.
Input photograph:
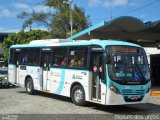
{"type": "Point", "coordinates": [17, 62]}
{"type": "Point", "coordinates": [96, 66]}
{"type": "Point", "coordinates": [45, 63]}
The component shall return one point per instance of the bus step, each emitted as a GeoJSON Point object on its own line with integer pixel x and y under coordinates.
{"type": "Point", "coordinates": [46, 91]}
{"type": "Point", "coordinates": [95, 100]}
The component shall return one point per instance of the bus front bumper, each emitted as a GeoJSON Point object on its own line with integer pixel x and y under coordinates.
{"type": "Point", "coordinates": [118, 99]}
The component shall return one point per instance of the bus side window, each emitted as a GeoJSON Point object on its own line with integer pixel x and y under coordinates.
{"type": "Point", "coordinates": [11, 58]}
{"type": "Point", "coordinates": [15, 56]}
{"type": "Point", "coordinates": [59, 57]}
{"type": "Point", "coordinates": [34, 56]}
{"type": "Point", "coordinates": [78, 57]}
{"type": "Point", "coordinates": [24, 56]}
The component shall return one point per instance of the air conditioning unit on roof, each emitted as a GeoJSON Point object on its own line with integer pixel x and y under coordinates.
{"type": "Point", "coordinates": [49, 41]}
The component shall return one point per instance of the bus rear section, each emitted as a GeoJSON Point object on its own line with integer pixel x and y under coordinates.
{"type": "Point", "coordinates": [24, 64]}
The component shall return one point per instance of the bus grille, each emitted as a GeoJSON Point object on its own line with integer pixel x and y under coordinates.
{"type": "Point", "coordinates": [139, 91]}
{"type": "Point", "coordinates": [129, 91]}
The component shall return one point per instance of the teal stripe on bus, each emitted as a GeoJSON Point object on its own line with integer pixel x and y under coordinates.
{"type": "Point", "coordinates": [61, 84]}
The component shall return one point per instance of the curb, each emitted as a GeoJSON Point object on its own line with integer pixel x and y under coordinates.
{"type": "Point", "coordinates": [155, 93]}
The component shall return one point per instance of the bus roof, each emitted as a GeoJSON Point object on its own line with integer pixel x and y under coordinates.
{"type": "Point", "coordinates": [102, 43]}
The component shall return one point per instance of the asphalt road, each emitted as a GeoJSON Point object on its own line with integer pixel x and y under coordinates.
{"type": "Point", "coordinates": [16, 103]}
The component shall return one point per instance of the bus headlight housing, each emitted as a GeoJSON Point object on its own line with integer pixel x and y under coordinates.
{"type": "Point", "coordinates": [114, 89]}
{"type": "Point", "coordinates": [5, 78]}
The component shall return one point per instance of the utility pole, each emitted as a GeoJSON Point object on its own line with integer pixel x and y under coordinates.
{"type": "Point", "coordinates": [71, 16]}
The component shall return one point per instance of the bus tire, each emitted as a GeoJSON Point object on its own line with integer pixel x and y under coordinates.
{"type": "Point", "coordinates": [29, 86]}
{"type": "Point", "coordinates": [78, 95]}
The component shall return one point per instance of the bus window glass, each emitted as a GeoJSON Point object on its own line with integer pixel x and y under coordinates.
{"type": "Point", "coordinates": [59, 57]}
{"type": "Point", "coordinates": [24, 56]}
{"type": "Point", "coordinates": [128, 64]}
{"type": "Point", "coordinates": [78, 57]}
{"type": "Point", "coordinates": [34, 54]}
{"type": "Point", "coordinates": [11, 58]}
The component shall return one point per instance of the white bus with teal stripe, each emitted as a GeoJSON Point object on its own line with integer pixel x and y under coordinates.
{"type": "Point", "coordinates": [107, 72]}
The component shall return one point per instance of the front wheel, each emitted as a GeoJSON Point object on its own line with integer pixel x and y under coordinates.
{"type": "Point", "coordinates": [29, 86]}
{"type": "Point", "coordinates": [78, 95]}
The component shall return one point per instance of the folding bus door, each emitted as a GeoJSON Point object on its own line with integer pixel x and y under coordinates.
{"type": "Point", "coordinates": [17, 62]}
{"type": "Point", "coordinates": [45, 63]}
{"type": "Point", "coordinates": [96, 65]}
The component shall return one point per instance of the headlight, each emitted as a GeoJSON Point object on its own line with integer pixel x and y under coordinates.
{"type": "Point", "coordinates": [114, 89]}
{"type": "Point", "coordinates": [5, 78]}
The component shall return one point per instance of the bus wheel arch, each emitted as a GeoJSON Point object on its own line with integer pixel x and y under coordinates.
{"type": "Point", "coordinates": [77, 94]}
{"type": "Point", "coordinates": [29, 85]}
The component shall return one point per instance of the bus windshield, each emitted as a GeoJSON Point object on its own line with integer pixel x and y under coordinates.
{"type": "Point", "coordinates": [128, 64]}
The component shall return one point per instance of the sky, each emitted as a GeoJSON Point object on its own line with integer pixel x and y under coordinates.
{"type": "Point", "coordinates": [97, 10]}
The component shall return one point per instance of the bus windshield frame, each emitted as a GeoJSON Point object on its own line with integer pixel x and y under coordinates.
{"type": "Point", "coordinates": [128, 65]}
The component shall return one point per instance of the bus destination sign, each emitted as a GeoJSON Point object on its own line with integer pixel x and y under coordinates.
{"type": "Point", "coordinates": [124, 49]}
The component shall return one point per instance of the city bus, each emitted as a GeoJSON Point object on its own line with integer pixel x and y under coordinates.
{"type": "Point", "coordinates": [106, 72]}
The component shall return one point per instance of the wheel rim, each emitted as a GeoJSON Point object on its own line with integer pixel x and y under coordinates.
{"type": "Point", "coordinates": [29, 86]}
{"type": "Point", "coordinates": [78, 95]}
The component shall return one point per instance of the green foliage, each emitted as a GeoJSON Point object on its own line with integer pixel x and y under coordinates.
{"type": "Point", "coordinates": [23, 38]}
{"type": "Point", "coordinates": [39, 18]}
{"type": "Point", "coordinates": [58, 22]}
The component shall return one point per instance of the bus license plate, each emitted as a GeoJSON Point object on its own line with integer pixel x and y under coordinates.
{"type": "Point", "coordinates": [134, 98]}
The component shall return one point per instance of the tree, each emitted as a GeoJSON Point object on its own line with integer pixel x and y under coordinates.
{"type": "Point", "coordinates": [22, 38]}
{"type": "Point", "coordinates": [57, 22]}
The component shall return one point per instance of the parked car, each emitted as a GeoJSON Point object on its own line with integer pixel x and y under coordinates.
{"type": "Point", "coordinates": [4, 76]}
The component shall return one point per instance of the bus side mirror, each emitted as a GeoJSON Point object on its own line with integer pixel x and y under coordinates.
{"type": "Point", "coordinates": [107, 58]}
